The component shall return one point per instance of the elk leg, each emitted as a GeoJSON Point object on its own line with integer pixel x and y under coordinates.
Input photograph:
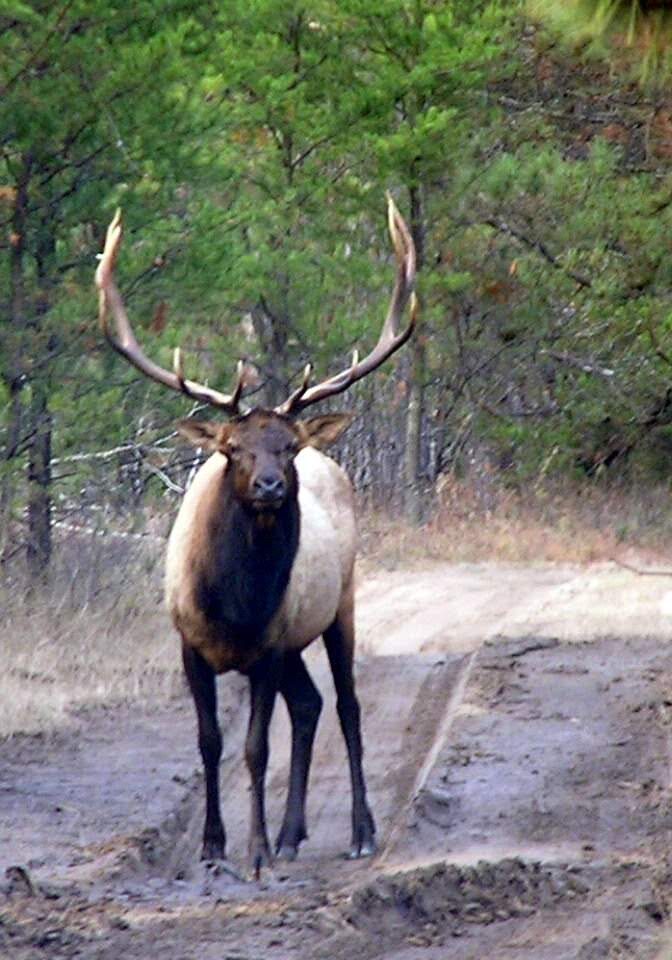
{"type": "Point", "coordinates": [304, 704]}
{"type": "Point", "coordinates": [201, 679]}
{"type": "Point", "coordinates": [264, 678]}
{"type": "Point", "coordinates": [339, 640]}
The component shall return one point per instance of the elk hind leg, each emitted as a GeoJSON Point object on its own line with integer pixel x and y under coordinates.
{"type": "Point", "coordinates": [304, 704]}
{"type": "Point", "coordinates": [264, 677]}
{"type": "Point", "coordinates": [339, 640]}
{"type": "Point", "coordinates": [202, 683]}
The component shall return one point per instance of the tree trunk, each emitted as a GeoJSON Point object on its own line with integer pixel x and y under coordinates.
{"type": "Point", "coordinates": [11, 346]}
{"type": "Point", "coordinates": [39, 451]}
{"type": "Point", "coordinates": [7, 475]}
{"type": "Point", "coordinates": [271, 331]}
{"type": "Point", "coordinates": [39, 485]}
{"type": "Point", "coordinates": [415, 409]}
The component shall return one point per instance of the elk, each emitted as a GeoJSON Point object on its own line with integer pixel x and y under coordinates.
{"type": "Point", "coordinates": [260, 562]}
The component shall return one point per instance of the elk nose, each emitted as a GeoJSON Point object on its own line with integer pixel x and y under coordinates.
{"type": "Point", "coordinates": [269, 486]}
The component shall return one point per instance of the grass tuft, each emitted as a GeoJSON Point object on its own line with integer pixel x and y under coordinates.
{"type": "Point", "coordinates": [475, 522]}
{"type": "Point", "coordinates": [95, 633]}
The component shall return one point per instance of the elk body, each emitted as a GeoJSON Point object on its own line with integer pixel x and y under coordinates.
{"type": "Point", "coordinates": [260, 563]}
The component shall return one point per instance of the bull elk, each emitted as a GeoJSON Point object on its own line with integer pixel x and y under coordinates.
{"type": "Point", "coordinates": [260, 562]}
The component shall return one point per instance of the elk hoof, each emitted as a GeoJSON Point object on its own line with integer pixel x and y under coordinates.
{"type": "Point", "coordinates": [365, 849]}
{"type": "Point", "coordinates": [213, 848]}
{"type": "Point", "coordinates": [289, 838]}
{"type": "Point", "coordinates": [363, 837]}
{"type": "Point", "coordinates": [260, 856]}
{"type": "Point", "coordinates": [287, 852]}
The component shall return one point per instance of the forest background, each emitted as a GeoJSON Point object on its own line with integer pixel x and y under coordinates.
{"type": "Point", "coordinates": [250, 145]}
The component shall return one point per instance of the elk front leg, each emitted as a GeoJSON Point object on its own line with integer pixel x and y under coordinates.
{"type": "Point", "coordinates": [304, 704]}
{"type": "Point", "coordinates": [339, 640]}
{"type": "Point", "coordinates": [264, 677]}
{"type": "Point", "coordinates": [202, 683]}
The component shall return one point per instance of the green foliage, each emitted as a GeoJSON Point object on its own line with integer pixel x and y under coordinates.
{"type": "Point", "coordinates": [423, 68]}
{"type": "Point", "coordinates": [567, 325]}
{"type": "Point", "coordinates": [250, 144]}
{"type": "Point", "coordinates": [88, 91]}
{"type": "Point", "coordinates": [634, 35]}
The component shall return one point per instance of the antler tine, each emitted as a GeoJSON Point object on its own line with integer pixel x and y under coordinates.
{"type": "Point", "coordinates": [294, 398]}
{"type": "Point", "coordinates": [177, 367]}
{"type": "Point", "coordinates": [123, 339]}
{"type": "Point", "coordinates": [240, 385]}
{"type": "Point", "coordinates": [391, 337]}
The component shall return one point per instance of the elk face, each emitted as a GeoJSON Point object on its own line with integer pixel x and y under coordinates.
{"type": "Point", "coordinates": [260, 449]}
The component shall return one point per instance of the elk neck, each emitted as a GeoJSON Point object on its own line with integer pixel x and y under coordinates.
{"type": "Point", "coordinates": [243, 573]}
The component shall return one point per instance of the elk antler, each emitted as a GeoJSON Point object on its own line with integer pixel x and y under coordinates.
{"type": "Point", "coordinates": [125, 343]}
{"type": "Point", "coordinates": [391, 338]}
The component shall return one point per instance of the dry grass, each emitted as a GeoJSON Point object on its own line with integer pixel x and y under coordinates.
{"type": "Point", "coordinates": [96, 634]}
{"type": "Point", "coordinates": [478, 522]}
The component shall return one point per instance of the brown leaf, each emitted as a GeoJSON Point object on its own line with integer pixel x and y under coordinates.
{"type": "Point", "coordinates": [661, 133]}
{"type": "Point", "coordinates": [158, 324]}
{"type": "Point", "coordinates": [499, 290]}
{"type": "Point", "coordinates": [616, 133]}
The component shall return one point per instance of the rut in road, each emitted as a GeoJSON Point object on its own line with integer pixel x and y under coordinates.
{"type": "Point", "coordinates": [521, 793]}
{"type": "Point", "coordinates": [404, 701]}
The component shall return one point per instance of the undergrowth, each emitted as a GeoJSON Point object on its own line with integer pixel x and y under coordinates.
{"type": "Point", "coordinates": [95, 633]}
{"type": "Point", "coordinates": [489, 522]}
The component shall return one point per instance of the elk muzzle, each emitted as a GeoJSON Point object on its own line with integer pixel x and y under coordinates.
{"type": "Point", "coordinates": [268, 489]}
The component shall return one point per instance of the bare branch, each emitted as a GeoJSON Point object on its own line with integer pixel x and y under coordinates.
{"type": "Point", "coordinates": [503, 227]}
{"type": "Point", "coordinates": [585, 366]}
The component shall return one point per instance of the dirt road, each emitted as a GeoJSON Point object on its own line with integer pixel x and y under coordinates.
{"type": "Point", "coordinates": [518, 757]}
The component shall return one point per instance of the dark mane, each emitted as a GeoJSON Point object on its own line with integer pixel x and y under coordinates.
{"type": "Point", "coordinates": [249, 561]}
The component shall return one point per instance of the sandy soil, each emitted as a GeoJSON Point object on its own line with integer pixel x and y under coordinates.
{"type": "Point", "coordinates": [517, 730]}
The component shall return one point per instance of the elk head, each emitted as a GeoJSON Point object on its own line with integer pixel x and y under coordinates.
{"type": "Point", "coordinates": [260, 448]}
{"type": "Point", "coordinates": [261, 445]}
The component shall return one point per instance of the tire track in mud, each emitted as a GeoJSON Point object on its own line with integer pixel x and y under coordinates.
{"type": "Point", "coordinates": [419, 654]}
{"type": "Point", "coordinates": [398, 730]}
{"type": "Point", "coordinates": [557, 852]}
{"type": "Point", "coordinates": [452, 694]}
{"type": "Point", "coordinates": [545, 813]}
{"type": "Point", "coordinates": [521, 789]}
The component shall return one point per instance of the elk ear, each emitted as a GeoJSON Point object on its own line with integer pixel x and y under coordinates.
{"type": "Point", "coordinates": [322, 431]}
{"type": "Point", "coordinates": [204, 433]}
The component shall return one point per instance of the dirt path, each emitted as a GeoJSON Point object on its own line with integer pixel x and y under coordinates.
{"type": "Point", "coordinates": [518, 760]}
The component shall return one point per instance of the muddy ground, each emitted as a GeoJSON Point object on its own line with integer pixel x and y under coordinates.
{"type": "Point", "coordinates": [517, 730]}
